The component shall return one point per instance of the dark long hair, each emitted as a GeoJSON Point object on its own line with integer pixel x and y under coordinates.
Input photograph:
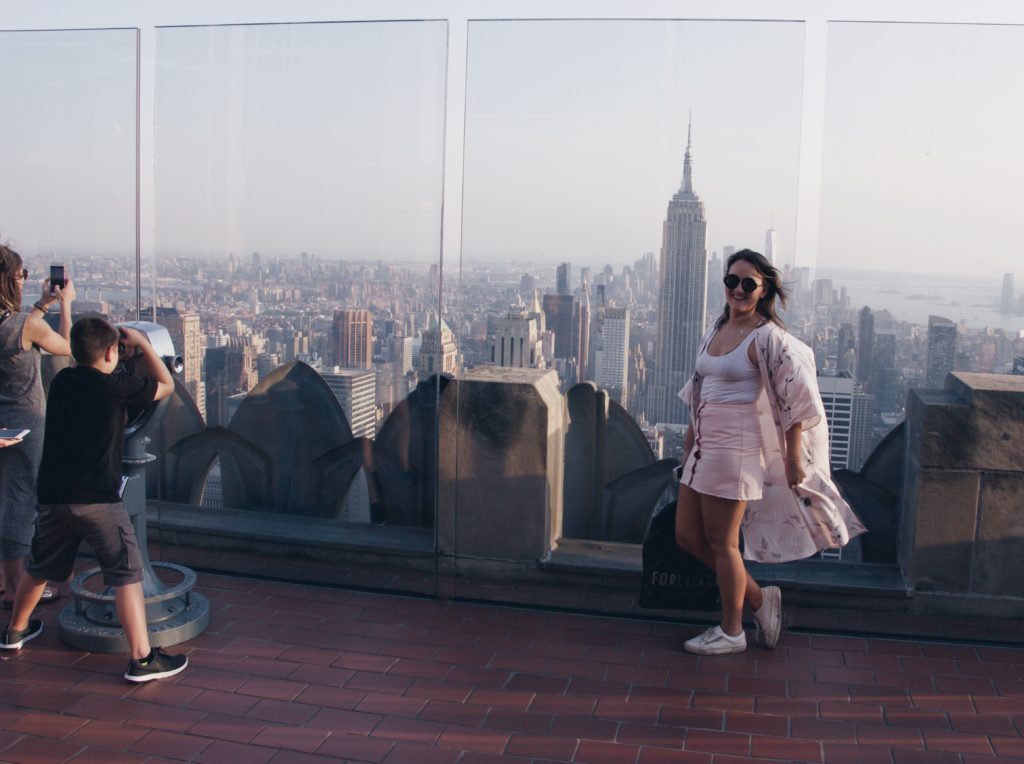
{"type": "Point", "coordinates": [772, 283]}
{"type": "Point", "coordinates": [10, 268]}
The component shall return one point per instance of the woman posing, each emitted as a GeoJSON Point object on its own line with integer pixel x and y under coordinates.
{"type": "Point", "coordinates": [755, 456]}
{"type": "Point", "coordinates": [22, 405]}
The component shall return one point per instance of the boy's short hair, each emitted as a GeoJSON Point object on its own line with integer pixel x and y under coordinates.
{"type": "Point", "coordinates": [90, 338]}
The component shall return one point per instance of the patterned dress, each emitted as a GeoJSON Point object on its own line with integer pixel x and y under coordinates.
{"type": "Point", "coordinates": [790, 523]}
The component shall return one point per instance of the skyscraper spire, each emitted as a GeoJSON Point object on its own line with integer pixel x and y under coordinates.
{"type": "Point", "coordinates": [682, 297]}
{"type": "Point", "coordinates": [771, 242]}
{"type": "Point", "coordinates": [688, 160]}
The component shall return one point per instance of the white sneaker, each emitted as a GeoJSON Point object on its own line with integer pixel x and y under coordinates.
{"type": "Point", "coordinates": [714, 641]}
{"type": "Point", "coordinates": [769, 616]}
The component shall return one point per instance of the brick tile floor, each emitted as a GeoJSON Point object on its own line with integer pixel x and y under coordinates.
{"type": "Point", "coordinates": [292, 674]}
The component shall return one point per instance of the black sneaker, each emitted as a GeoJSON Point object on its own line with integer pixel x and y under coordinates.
{"type": "Point", "coordinates": [13, 640]}
{"type": "Point", "coordinates": [159, 666]}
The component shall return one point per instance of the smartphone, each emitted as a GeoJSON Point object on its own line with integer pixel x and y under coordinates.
{"type": "Point", "coordinates": [57, 277]}
{"type": "Point", "coordinates": [13, 433]}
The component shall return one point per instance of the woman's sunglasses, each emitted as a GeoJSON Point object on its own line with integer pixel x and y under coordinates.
{"type": "Point", "coordinates": [732, 281]}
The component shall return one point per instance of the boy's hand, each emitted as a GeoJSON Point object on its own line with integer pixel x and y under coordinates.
{"type": "Point", "coordinates": [132, 338]}
{"type": "Point", "coordinates": [137, 344]}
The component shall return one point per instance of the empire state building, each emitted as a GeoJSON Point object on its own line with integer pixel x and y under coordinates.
{"type": "Point", "coordinates": [682, 294]}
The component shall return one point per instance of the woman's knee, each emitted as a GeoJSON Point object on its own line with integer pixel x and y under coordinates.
{"type": "Point", "coordinates": [690, 539]}
{"type": "Point", "coordinates": [722, 545]}
{"type": "Point", "coordinates": [722, 519]}
{"type": "Point", "coordinates": [689, 530]}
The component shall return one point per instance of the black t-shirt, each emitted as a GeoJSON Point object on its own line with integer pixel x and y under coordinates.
{"type": "Point", "coordinates": [83, 445]}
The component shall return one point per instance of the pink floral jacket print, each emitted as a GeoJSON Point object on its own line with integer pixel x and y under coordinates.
{"type": "Point", "coordinates": [790, 523]}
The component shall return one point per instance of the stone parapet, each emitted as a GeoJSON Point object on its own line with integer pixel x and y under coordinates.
{"type": "Point", "coordinates": [962, 520]}
{"type": "Point", "coordinates": [500, 466]}
{"type": "Point", "coordinates": [497, 480]}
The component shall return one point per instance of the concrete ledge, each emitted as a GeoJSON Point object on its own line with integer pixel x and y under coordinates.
{"type": "Point", "coordinates": [288, 535]}
{"type": "Point", "coordinates": [624, 561]}
{"type": "Point", "coordinates": [595, 575]}
{"type": "Point", "coordinates": [570, 561]}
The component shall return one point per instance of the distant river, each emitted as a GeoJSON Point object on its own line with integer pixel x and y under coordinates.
{"type": "Point", "coordinates": [913, 297]}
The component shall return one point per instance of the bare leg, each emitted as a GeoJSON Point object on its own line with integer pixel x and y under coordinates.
{"type": "Point", "coordinates": [131, 612]}
{"type": "Point", "coordinates": [12, 574]}
{"type": "Point", "coordinates": [692, 536]}
{"type": "Point", "coordinates": [722, 530]}
{"type": "Point", "coordinates": [30, 589]}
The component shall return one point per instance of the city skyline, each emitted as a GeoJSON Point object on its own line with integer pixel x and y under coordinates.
{"type": "Point", "coordinates": [249, 316]}
{"type": "Point", "coordinates": [975, 276]}
{"type": "Point", "coordinates": [972, 299]}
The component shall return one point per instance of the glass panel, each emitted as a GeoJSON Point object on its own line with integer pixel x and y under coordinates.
{"type": "Point", "coordinates": [920, 190]}
{"type": "Point", "coordinates": [67, 148]}
{"type": "Point", "coordinates": [598, 153]}
{"type": "Point", "coordinates": [67, 199]}
{"type": "Point", "coordinates": [298, 211]}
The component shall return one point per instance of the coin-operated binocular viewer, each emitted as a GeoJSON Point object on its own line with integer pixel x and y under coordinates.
{"type": "Point", "coordinates": [174, 612]}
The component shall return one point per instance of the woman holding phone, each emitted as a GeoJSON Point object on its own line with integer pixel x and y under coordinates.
{"type": "Point", "coordinates": [22, 405]}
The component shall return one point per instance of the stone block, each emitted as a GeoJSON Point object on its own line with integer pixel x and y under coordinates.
{"type": "Point", "coordinates": [584, 446]}
{"type": "Point", "coordinates": [961, 531]}
{"type": "Point", "coordinates": [941, 433]}
{"type": "Point", "coordinates": [995, 432]}
{"type": "Point", "coordinates": [501, 464]}
{"type": "Point", "coordinates": [976, 422]}
{"type": "Point", "coordinates": [943, 529]}
{"type": "Point", "coordinates": [999, 548]}
{"type": "Point", "coordinates": [611, 486]}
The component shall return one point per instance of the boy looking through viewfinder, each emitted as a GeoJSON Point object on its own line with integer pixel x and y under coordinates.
{"type": "Point", "coordinates": [80, 486]}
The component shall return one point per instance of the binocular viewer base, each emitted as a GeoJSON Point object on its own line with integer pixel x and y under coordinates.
{"type": "Point", "coordinates": [175, 613]}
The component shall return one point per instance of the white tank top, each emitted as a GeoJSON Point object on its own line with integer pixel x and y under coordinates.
{"type": "Point", "coordinates": [729, 378]}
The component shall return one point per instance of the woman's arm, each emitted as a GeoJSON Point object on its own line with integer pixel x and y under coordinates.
{"type": "Point", "coordinates": [37, 332]}
{"type": "Point", "coordinates": [794, 464]}
{"type": "Point", "coordinates": [793, 379]}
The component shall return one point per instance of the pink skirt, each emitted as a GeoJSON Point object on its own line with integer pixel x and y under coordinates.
{"type": "Point", "coordinates": [727, 458]}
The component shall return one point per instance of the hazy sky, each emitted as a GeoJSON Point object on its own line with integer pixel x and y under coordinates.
{"type": "Point", "coordinates": [319, 137]}
{"type": "Point", "coordinates": [67, 141]}
{"type": "Point", "coordinates": [923, 165]}
{"type": "Point", "coordinates": [329, 138]}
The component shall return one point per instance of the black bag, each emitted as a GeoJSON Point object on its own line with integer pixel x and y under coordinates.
{"type": "Point", "coordinates": [674, 579]}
